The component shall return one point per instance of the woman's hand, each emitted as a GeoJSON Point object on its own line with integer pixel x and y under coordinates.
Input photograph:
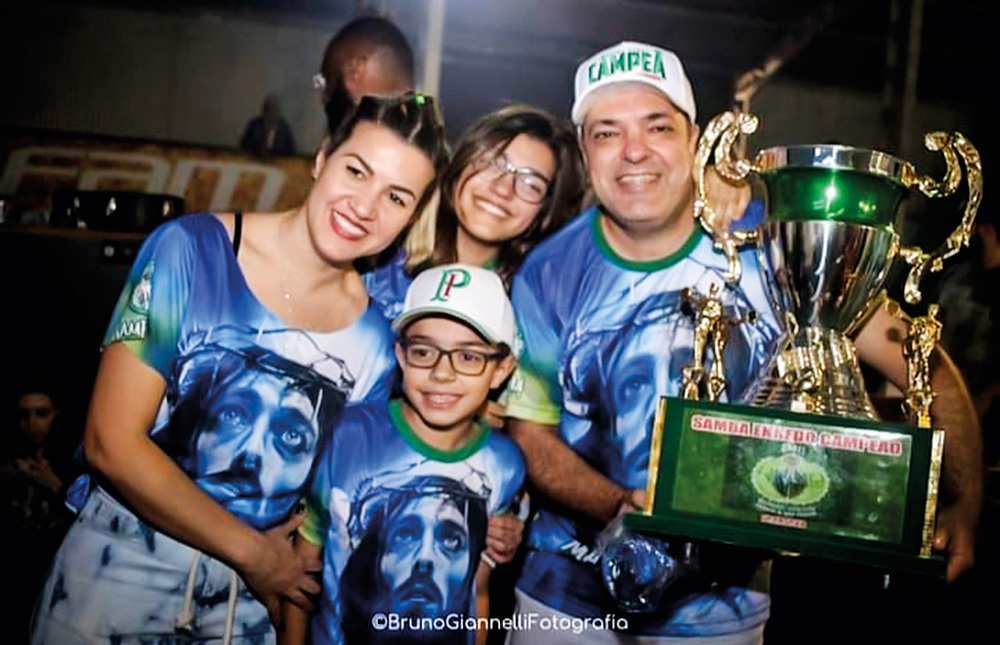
{"type": "Point", "coordinates": [276, 571]}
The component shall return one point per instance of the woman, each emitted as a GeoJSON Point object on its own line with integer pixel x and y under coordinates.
{"type": "Point", "coordinates": [515, 178]}
{"type": "Point", "coordinates": [224, 367]}
{"type": "Point", "coordinates": [32, 514]}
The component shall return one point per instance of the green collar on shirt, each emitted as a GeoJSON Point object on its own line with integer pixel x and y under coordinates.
{"type": "Point", "coordinates": [475, 442]}
{"type": "Point", "coordinates": [647, 265]}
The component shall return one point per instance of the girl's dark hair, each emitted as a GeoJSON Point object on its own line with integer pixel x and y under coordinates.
{"type": "Point", "coordinates": [492, 134]}
{"type": "Point", "coordinates": [414, 117]}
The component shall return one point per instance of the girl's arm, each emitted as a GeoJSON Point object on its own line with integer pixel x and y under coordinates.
{"type": "Point", "coordinates": [295, 619]}
{"type": "Point", "coordinates": [123, 407]}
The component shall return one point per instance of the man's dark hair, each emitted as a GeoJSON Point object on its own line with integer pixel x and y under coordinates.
{"type": "Point", "coordinates": [363, 37]}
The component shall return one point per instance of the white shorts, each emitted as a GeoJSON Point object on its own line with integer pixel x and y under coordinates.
{"type": "Point", "coordinates": [115, 579]}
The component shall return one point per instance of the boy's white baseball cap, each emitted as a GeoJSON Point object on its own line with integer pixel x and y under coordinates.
{"type": "Point", "coordinates": [632, 62]}
{"type": "Point", "coordinates": [471, 294]}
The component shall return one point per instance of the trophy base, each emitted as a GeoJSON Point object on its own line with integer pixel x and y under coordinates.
{"type": "Point", "coordinates": [823, 486]}
{"type": "Point", "coordinates": [816, 371]}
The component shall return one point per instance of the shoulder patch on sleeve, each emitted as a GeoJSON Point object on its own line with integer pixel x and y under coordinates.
{"type": "Point", "coordinates": [134, 320]}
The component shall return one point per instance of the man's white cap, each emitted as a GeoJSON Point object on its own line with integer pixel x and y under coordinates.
{"type": "Point", "coordinates": [633, 62]}
{"type": "Point", "coordinates": [471, 294]}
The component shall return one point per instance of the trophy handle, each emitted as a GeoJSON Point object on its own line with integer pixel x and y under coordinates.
{"type": "Point", "coordinates": [721, 134]}
{"type": "Point", "coordinates": [952, 146]}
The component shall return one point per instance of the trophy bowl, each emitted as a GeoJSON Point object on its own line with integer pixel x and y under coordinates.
{"type": "Point", "coordinates": [826, 246]}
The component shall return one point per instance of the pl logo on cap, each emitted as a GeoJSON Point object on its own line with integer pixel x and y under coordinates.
{"type": "Point", "coordinates": [451, 279]}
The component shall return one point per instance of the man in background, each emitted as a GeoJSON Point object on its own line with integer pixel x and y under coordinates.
{"type": "Point", "coordinates": [268, 133]}
{"type": "Point", "coordinates": [368, 56]}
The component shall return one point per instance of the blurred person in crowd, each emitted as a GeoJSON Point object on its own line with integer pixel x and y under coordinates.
{"type": "Point", "coordinates": [268, 134]}
{"type": "Point", "coordinates": [25, 456]}
{"type": "Point", "coordinates": [32, 515]}
{"type": "Point", "coordinates": [970, 314]}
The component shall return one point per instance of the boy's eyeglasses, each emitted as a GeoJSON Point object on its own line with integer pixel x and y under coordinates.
{"type": "Point", "coordinates": [468, 362]}
{"type": "Point", "coordinates": [528, 184]}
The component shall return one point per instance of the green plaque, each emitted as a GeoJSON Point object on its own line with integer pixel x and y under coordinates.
{"type": "Point", "coordinates": [848, 489]}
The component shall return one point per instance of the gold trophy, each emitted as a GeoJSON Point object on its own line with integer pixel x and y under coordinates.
{"type": "Point", "coordinates": [827, 245]}
{"type": "Point", "coordinates": [807, 467]}
{"type": "Point", "coordinates": [711, 329]}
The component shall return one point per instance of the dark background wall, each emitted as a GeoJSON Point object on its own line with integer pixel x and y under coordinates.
{"type": "Point", "coordinates": [194, 71]}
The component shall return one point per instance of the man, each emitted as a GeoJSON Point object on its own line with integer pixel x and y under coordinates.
{"type": "Point", "coordinates": [368, 56]}
{"type": "Point", "coordinates": [268, 133]}
{"type": "Point", "coordinates": [970, 313]}
{"type": "Point", "coordinates": [590, 295]}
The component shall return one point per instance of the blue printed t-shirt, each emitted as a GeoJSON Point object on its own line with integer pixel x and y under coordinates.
{"type": "Point", "coordinates": [403, 524]}
{"type": "Point", "coordinates": [250, 401]}
{"type": "Point", "coordinates": [604, 337]}
{"type": "Point", "coordinates": [387, 285]}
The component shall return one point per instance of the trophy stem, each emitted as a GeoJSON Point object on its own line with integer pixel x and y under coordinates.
{"type": "Point", "coordinates": [815, 371]}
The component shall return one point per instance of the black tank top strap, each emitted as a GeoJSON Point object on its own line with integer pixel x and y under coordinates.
{"type": "Point", "coordinates": [237, 231]}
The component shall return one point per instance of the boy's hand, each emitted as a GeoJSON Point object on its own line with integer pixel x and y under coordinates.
{"type": "Point", "coordinates": [278, 571]}
{"type": "Point", "coordinates": [503, 537]}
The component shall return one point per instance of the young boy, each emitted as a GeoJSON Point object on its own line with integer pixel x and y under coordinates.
{"type": "Point", "coordinates": [402, 494]}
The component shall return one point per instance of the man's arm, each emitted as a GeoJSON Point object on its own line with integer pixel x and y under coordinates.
{"type": "Point", "coordinates": [565, 477]}
{"type": "Point", "coordinates": [880, 344]}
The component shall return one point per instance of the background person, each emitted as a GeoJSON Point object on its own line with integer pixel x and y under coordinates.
{"type": "Point", "coordinates": [369, 56]}
{"type": "Point", "coordinates": [268, 133]}
{"type": "Point", "coordinates": [158, 548]}
{"type": "Point", "coordinates": [33, 517]}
